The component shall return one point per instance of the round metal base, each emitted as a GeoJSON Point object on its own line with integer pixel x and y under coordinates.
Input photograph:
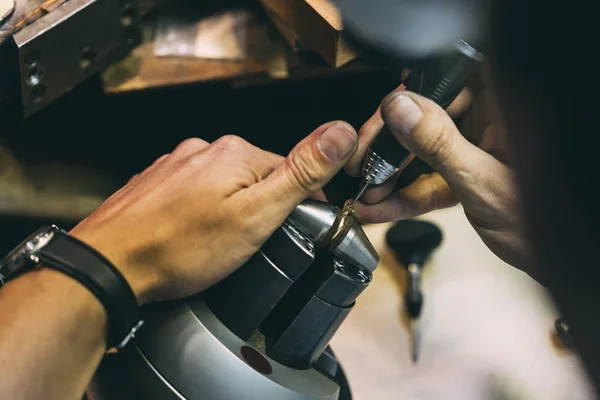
{"type": "Point", "coordinates": [185, 352]}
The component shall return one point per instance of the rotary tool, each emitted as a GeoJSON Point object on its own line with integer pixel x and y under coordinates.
{"type": "Point", "coordinates": [442, 82]}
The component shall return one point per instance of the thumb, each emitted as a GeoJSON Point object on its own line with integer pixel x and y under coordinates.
{"type": "Point", "coordinates": [426, 130]}
{"type": "Point", "coordinates": [308, 167]}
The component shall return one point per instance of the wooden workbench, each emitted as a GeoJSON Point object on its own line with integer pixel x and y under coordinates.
{"type": "Point", "coordinates": [486, 329]}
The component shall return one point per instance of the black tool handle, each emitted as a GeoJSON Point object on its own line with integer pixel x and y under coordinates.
{"type": "Point", "coordinates": [414, 303]}
{"type": "Point", "coordinates": [441, 81]}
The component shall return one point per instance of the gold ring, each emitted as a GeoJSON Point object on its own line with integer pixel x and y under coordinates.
{"type": "Point", "coordinates": [342, 228]}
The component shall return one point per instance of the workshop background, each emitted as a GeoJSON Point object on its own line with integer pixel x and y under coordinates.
{"type": "Point", "coordinates": [78, 127]}
{"type": "Point", "coordinates": [59, 163]}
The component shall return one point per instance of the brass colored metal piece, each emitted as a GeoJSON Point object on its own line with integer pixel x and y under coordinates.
{"type": "Point", "coordinates": [339, 228]}
{"type": "Point", "coordinates": [345, 222]}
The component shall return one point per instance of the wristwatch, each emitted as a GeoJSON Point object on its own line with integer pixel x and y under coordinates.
{"type": "Point", "coordinates": [54, 248]}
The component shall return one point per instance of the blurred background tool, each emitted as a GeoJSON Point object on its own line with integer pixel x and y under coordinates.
{"type": "Point", "coordinates": [413, 241]}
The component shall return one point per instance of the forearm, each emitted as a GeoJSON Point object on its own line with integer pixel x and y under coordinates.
{"type": "Point", "coordinates": [52, 337]}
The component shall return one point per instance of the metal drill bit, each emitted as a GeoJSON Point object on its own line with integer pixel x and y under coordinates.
{"type": "Point", "coordinates": [364, 184]}
{"type": "Point", "coordinates": [415, 336]}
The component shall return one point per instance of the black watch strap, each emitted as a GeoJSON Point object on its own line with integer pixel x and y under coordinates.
{"type": "Point", "coordinates": [84, 264]}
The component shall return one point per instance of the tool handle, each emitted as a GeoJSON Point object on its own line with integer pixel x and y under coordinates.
{"type": "Point", "coordinates": [387, 147]}
{"type": "Point", "coordinates": [442, 82]}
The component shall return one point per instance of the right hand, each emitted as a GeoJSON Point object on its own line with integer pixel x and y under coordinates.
{"type": "Point", "coordinates": [475, 174]}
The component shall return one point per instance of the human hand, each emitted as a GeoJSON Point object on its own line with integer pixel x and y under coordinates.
{"type": "Point", "coordinates": [475, 173]}
{"type": "Point", "coordinates": [198, 213]}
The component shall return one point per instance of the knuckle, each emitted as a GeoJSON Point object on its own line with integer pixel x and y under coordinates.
{"type": "Point", "coordinates": [133, 179]}
{"type": "Point", "coordinates": [192, 144]}
{"type": "Point", "coordinates": [160, 159]}
{"type": "Point", "coordinates": [304, 170]}
{"type": "Point", "coordinates": [231, 142]}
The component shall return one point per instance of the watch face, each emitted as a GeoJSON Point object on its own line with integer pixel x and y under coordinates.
{"type": "Point", "coordinates": [24, 256]}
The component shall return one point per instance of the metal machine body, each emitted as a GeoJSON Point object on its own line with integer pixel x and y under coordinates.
{"type": "Point", "coordinates": [49, 47]}
{"type": "Point", "coordinates": [185, 352]}
{"type": "Point", "coordinates": [263, 332]}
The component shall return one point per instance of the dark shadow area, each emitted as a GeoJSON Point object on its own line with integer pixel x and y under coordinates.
{"type": "Point", "coordinates": [123, 134]}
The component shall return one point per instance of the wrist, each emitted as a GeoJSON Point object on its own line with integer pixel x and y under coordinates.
{"type": "Point", "coordinates": [141, 280]}
{"type": "Point", "coordinates": [68, 291]}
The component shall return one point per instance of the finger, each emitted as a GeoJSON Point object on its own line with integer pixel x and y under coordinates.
{"type": "Point", "coordinates": [186, 148]}
{"type": "Point", "coordinates": [375, 194]}
{"type": "Point", "coordinates": [478, 118]}
{"type": "Point", "coordinates": [428, 193]}
{"type": "Point", "coordinates": [495, 142]}
{"type": "Point", "coordinates": [367, 133]}
{"type": "Point", "coordinates": [320, 195]}
{"type": "Point", "coordinates": [308, 167]}
{"type": "Point", "coordinates": [461, 103]}
{"type": "Point", "coordinates": [425, 129]}
{"type": "Point", "coordinates": [404, 74]}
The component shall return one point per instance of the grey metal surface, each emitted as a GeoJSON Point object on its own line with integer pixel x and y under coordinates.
{"type": "Point", "coordinates": [185, 352]}
{"type": "Point", "coordinates": [128, 375]}
{"type": "Point", "coordinates": [316, 219]}
{"type": "Point", "coordinates": [469, 51]}
{"type": "Point", "coordinates": [246, 297]}
{"type": "Point", "coordinates": [202, 359]}
{"type": "Point", "coordinates": [70, 43]}
{"type": "Point", "coordinates": [357, 250]}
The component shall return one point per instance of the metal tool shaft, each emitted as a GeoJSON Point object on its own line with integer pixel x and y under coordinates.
{"type": "Point", "coordinates": [414, 302]}
{"type": "Point", "coordinates": [415, 339]}
{"type": "Point", "coordinates": [364, 184]}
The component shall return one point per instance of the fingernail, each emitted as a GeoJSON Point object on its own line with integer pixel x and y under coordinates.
{"type": "Point", "coordinates": [337, 142]}
{"type": "Point", "coordinates": [402, 114]}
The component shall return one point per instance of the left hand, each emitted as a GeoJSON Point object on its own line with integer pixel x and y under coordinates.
{"type": "Point", "coordinates": [472, 168]}
{"type": "Point", "coordinates": [197, 214]}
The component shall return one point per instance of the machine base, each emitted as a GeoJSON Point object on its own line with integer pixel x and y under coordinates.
{"type": "Point", "coordinates": [185, 352]}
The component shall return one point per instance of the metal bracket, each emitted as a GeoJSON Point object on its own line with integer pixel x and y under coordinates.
{"type": "Point", "coordinates": [70, 42]}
